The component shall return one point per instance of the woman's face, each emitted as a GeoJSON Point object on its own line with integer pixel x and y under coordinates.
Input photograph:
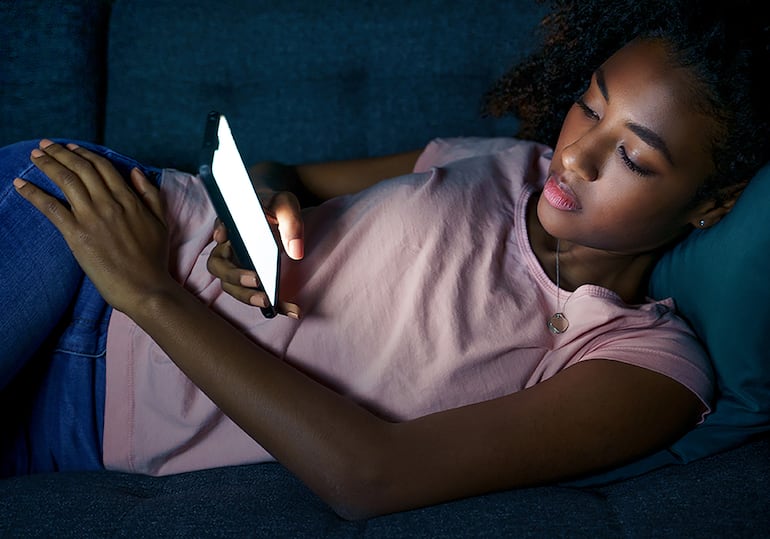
{"type": "Point", "coordinates": [631, 154]}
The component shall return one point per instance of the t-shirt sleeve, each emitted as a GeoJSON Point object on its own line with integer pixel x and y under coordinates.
{"type": "Point", "coordinates": [666, 349]}
{"type": "Point", "coordinates": [441, 151]}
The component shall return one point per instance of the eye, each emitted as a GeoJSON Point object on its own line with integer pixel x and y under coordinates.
{"type": "Point", "coordinates": [592, 115]}
{"type": "Point", "coordinates": [588, 111]}
{"type": "Point", "coordinates": [633, 167]}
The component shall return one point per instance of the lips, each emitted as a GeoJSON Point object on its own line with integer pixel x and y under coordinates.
{"type": "Point", "coordinates": [560, 196]}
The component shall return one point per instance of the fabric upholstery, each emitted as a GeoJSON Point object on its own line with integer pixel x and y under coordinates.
{"type": "Point", "coordinates": [264, 500]}
{"type": "Point", "coordinates": [53, 69]}
{"type": "Point", "coordinates": [305, 81]}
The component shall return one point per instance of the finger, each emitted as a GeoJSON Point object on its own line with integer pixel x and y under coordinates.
{"type": "Point", "coordinates": [255, 298]}
{"type": "Point", "coordinates": [286, 209]}
{"type": "Point", "coordinates": [99, 178]}
{"type": "Point", "coordinates": [67, 180]}
{"type": "Point", "coordinates": [221, 265]}
{"type": "Point", "coordinates": [291, 310]}
{"type": "Point", "coordinates": [102, 178]}
{"type": "Point", "coordinates": [48, 205]}
{"type": "Point", "coordinates": [259, 299]}
{"type": "Point", "coordinates": [220, 232]}
{"type": "Point", "coordinates": [221, 256]}
{"type": "Point", "coordinates": [149, 194]}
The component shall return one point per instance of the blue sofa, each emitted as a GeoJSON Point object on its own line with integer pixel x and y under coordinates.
{"type": "Point", "coordinates": [307, 80]}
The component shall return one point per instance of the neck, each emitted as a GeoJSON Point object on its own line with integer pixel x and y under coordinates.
{"type": "Point", "coordinates": [624, 274]}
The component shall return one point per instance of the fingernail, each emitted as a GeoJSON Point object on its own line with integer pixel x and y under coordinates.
{"type": "Point", "coordinates": [248, 280]}
{"type": "Point", "coordinates": [18, 183]}
{"type": "Point", "coordinates": [138, 174]}
{"type": "Point", "coordinates": [37, 153]}
{"type": "Point", "coordinates": [72, 146]}
{"type": "Point", "coordinates": [257, 301]}
{"type": "Point", "coordinates": [295, 249]}
{"type": "Point", "coordinates": [45, 143]}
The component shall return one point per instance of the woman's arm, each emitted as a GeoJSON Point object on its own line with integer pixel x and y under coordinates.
{"type": "Point", "coordinates": [590, 416]}
{"type": "Point", "coordinates": [315, 182]}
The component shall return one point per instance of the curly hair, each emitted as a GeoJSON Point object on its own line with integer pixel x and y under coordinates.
{"type": "Point", "coordinates": [726, 44]}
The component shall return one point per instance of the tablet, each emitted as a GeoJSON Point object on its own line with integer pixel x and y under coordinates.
{"type": "Point", "coordinates": [238, 206]}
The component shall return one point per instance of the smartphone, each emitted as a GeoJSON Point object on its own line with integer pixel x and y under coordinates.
{"type": "Point", "coordinates": [238, 206]}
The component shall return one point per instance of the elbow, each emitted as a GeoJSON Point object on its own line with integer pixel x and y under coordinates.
{"type": "Point", "coordinates": [364, 488]}
{"type": "Point", "coordinates": [361, 494]}
{"type": "Point", "coordinates": [353, 514]}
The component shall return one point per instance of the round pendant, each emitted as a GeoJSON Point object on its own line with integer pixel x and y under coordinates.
{"type": "Point", "coordinates": [558, 323]}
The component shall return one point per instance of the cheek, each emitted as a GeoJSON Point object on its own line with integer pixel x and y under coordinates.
{"type": "Point", "coordinates": [618, 217]}
{"type": "Point", "coordinates": [635, 223]}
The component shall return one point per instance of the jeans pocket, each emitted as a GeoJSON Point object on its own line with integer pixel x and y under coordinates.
{"type": "Point", "coordinates": [61, 427]}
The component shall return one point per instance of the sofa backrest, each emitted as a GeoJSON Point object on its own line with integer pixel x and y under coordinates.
{"type": "Point", "coordinates": [52, 69]}
{"type": "Point", "coordinates": [303, 80]}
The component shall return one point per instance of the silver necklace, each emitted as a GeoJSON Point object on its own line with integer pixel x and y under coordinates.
{"type": "Point", "coordinates": [558, 323]}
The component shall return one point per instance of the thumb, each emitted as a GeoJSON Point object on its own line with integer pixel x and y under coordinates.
{"type": "Point", "coordinates": [286, 209]}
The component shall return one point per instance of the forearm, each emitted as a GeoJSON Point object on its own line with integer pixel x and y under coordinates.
{"type": "Point", "coordinates": [336, 178]}
{"type": "Point", "coordinates": [271, 177]}
{"type": "Point", "coordinates": [316, 182]}
{"type": "Point", "coordinates": [289, 414]}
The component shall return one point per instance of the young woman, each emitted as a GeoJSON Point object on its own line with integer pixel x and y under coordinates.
{"type": "Point", "coordinates": [477, 322]}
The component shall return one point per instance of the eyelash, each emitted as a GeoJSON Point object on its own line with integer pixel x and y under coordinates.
{"type": "Point", "coordinates": [633, 167]}
{"type": "Point", "coordinates": [588, 111]}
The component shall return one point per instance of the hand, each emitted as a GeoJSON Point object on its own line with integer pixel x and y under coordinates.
{"type": "Point", "coordinates": [283, 211]}
{"type": "Point", "coordinates": [117, 234]}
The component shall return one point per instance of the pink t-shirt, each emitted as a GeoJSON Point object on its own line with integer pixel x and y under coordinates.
{"type": "Point", "coordinates": [419, 294]}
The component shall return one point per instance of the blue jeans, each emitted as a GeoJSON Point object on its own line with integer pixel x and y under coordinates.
{"type": "Point", "coordinates": [53, 331]}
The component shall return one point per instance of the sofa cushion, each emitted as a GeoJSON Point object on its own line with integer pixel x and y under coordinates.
{"type": "Point", "coordinates": [723, 496]}
{"type": "Point", "coordinates": [306, 81]}
{"type": "Point", "coordinates": [52, 76]}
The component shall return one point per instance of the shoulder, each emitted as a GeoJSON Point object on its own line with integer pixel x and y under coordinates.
{"type": "Point", "coordinates": [651, 336]}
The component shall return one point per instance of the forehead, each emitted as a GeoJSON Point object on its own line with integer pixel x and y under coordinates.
{"type": "Point", "coordinates": [649, 89]}
{"type": "Point", "coordinates": [647, 64]}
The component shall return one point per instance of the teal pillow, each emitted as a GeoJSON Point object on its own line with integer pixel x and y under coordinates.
{"type": "Point", "coordinates": [719, 280]}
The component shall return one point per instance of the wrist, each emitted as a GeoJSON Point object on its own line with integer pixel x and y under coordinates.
{"type": "Point", "coordinates": [271, 177]}
{"type": "Point", "coordinates": [149, 302]}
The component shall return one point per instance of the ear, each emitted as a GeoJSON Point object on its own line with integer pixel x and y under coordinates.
{"type": "Point", "coordinates": [711, 211]}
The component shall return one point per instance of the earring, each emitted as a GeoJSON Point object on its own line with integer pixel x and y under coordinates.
{"type": "Point", "coordinates": [702, 223]}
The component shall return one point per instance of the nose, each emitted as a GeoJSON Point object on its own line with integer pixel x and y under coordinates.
{"type": "Point", "coordinates": [581, 157]}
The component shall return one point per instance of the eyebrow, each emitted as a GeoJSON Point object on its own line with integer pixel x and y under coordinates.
{"type": "Point", "coordinates": [602, 83]}
{"type": "Point", "coordinates": [646, 134]}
